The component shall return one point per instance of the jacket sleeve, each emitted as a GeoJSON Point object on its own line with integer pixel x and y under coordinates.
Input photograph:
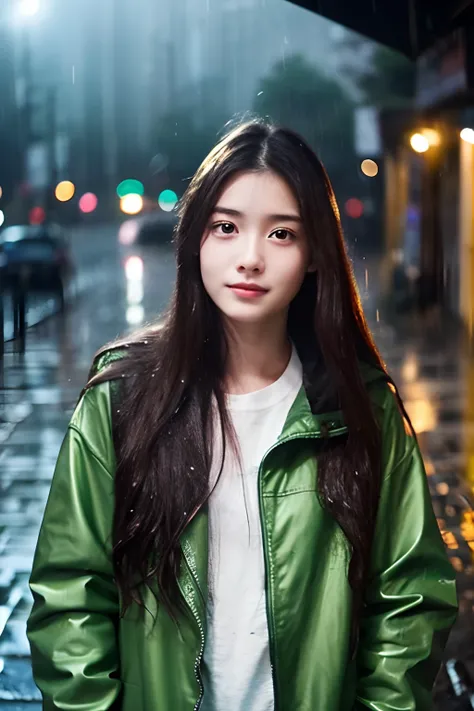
{"type": "Point", "coordinates": [411, 600]}
{"type": "Point", "coordinates": [72, 628]}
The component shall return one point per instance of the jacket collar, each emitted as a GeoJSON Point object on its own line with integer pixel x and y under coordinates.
{"type": "Point", "coordinates": [302, 421]}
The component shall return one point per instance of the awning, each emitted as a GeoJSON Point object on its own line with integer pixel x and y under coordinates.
{"type": "Point", "coordinates": [409, 26]}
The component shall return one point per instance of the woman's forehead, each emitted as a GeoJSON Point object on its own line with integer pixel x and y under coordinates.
{"type": "Point", "coordinates": [262, 193]}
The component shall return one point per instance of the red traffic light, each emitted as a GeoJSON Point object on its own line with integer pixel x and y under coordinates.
{"type": "Point", "coordinates": [37, 215]}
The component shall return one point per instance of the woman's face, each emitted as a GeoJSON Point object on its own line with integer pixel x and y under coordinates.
{"type": "Point", "coordinates": [254, 238]}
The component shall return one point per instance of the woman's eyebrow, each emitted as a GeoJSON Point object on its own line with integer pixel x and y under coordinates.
{"type": "Point", "coordinates": [270, 218]}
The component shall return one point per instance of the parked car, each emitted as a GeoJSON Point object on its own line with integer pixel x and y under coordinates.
{"type": "Point", "coordinates": [150, 228]}
{"type": "Point", "coordinates": [36, 258]}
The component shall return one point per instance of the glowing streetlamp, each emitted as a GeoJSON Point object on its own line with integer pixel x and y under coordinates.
{"type": "Point", "coordinates": [65, 191]}
{"type": "Point", "coordinates": [467, 134]}
{"type": "Point", "coordinates": [419, 143]}
{"type": "Point", "coordinates": [425, 139]}
{"type": "Point", "coordinates": [369, 168]}
{"type": "Point", "coordinates": [131, 204]}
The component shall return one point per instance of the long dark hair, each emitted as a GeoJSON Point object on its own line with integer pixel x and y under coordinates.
{"type": "Point", "coordinates": [172, 371]}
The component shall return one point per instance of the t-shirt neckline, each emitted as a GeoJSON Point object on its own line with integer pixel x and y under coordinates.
{"type": "Point", "coordinates": [290, 380]}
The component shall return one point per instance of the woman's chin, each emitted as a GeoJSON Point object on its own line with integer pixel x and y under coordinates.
{"type": "Point", "coordinates": [248, 317]}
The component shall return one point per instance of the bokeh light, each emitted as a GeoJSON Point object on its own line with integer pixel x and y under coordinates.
{"type": "Point", "coordinates": [2, 217]}
{"type": "Point", "coordinates": [354, 208]}
{"type": "Point", "coordinates": [65, 190]}
{"type": "Point", "coordinates": [131, 204]}
{"type": "Point", "coordinates": [134, 291]}
{"type": "Point", "coordinates": [134, 268]}
{"type": "Point", "coordinates": [128, 232]}
{"type": "Point", "coordinates": [88, 202]}
{"type": "Point", "coordinates": [1, 191]}
{"type": "Point", "coordinates": [467, 134]}
{"type": "Point", "coordinates": [37, 215]}
{"type": "Point", "coordinates": [130, 187]}
{"type": "Point", "coordinates": [135, 314]}
{"type": "Point", "coordinates": [167, 200]}
{"type": "Point", "coordinates": [369, 168]}
{"type": "Point", "coordinates": [432, 136]}
{"type": "Point", "coordinates": [419, 143]}
{"type": "Point", "coordinates": [29, 8]}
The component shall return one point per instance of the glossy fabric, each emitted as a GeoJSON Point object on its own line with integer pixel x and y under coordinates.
{"type": "Point", "coordinates": [85, 657]}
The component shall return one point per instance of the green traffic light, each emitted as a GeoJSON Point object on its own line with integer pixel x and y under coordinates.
{"type": "Point", "coordinates": [167, 200]}
{"type": "Point", "coordinates": [130, 187]}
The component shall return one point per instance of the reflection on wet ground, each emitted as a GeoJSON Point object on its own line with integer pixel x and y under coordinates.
{"type": "Point", "coordinates": [39, 390]}
{"type": "Point", "coordinates": [433, 365]}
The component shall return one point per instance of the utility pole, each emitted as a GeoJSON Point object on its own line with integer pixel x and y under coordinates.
{"type": "Point", "coordinates": [11, 148]}
{"type": "Point", "coordinates": [26, 116]}
{"type": "Point", "coordinates": [51, 141]}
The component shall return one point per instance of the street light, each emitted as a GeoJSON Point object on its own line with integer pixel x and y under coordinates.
{"type": "Point", "coordinates": [419, 143]}
{"type": "Point", "coordinates": [29, 8]}
{"type": "Point", "coordinates": [425, 139]}
{"type": "Point", "coordinates": [467, 134]}
{"type": "Point", "coordinates": [131, 204]}
{"type": "Point", "coordinates": [369, 168]}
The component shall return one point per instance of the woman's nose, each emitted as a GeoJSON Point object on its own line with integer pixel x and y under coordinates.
{"type": "Point", "coordinates": [252, 258]}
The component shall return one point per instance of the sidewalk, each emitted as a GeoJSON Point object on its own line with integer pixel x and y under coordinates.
{"type": "Point", "coordinates": [31, 437]}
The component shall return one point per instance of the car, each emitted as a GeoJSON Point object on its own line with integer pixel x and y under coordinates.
{"type": "Point", "coordinates": [151, 228]}
{"type": "Point", "coordinates": [36, 258]}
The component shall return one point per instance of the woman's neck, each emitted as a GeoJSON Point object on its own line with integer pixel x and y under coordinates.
{"type": "Point", "coordinates": [257, 357]}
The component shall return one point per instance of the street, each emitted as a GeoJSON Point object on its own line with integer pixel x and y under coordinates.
{"type": "Point", "coordinates": [40, 388]}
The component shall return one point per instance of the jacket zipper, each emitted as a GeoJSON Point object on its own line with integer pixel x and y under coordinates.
{"type": "Point", "coordinates": [193, 608]}
{"type": "Point", "coordinates": [197, 663]}
{"type": "Point", "coordinates": [271, 636]}
{"type": "Point", "coordinates": [270, 621]}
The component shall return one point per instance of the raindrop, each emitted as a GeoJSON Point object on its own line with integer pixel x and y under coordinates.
{"type": "Point", "coordinates": [260, 93]}
{"type": "Point", "coordinates": [192, 468]}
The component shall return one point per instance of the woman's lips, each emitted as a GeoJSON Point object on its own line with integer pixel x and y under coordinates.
{"type": "Point", "coordinates": [248, 291]}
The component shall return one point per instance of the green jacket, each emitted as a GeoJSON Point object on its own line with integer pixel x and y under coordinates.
{"type": "Point", "coordinates": [86, 657]}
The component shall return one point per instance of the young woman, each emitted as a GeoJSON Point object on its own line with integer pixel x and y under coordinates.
{"type": "Point", "coordinates": [239, 519]}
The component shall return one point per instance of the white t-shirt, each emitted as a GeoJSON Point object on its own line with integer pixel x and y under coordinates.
{"type": "Point", "coordinates": [236, 664]}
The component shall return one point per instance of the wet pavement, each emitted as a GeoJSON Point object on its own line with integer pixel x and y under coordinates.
{"type": "Point", "coordinates": [38, 391]}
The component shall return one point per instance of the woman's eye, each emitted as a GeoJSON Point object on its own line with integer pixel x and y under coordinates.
{"type": "Point", "coordinates": [226, 228]}
{"type": "Point", "coordinates": [282, 235]}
